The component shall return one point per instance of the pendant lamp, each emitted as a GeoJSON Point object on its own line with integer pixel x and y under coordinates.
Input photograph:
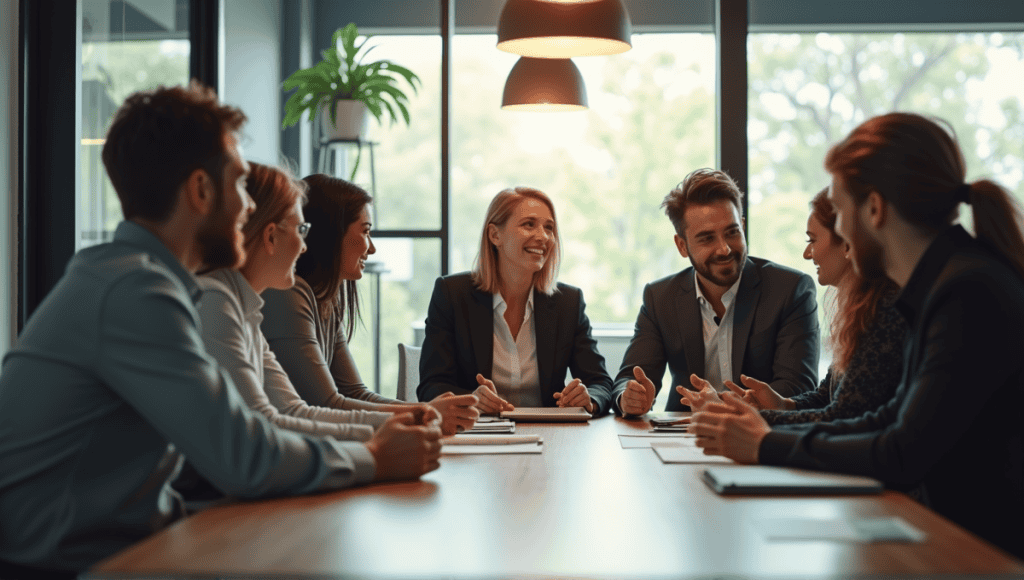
{"type": "Point", "coordinates": [564, 28]}
{"type": "Point", "coordinates": [544, 84]}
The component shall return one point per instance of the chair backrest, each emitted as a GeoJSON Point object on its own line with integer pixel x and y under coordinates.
{"type": "Point", "coordinates": [408, 372]}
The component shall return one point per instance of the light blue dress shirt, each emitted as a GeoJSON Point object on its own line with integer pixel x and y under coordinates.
{"type": "Point", "coordinates": [107, 383]}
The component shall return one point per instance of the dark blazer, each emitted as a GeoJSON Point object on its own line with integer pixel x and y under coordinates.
{"type": "Point", "coordinates": [459, 342]}
{"type": "Point", "coordinates": [775, 331]}
{"type": "Point", "coordinates": [956, 423]}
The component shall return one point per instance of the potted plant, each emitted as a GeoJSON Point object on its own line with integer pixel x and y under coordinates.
{"type": "Point", "coordinates": [347, 88]}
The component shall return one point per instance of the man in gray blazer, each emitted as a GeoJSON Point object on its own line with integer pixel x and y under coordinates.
{"type": "Point", "coordinates": [726, 315]}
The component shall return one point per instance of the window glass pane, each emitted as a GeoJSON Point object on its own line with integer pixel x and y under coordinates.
{"type": "Point", "coordinates": [409, 268]}
{"type": "Point", "coordinates": [650, 122]}
{"type": "Point", "coordinates": [407, 157]}
{"type": "Point", "coordinates": [807, 91]}
{"type": "Point", "coordinates": [126, 47]}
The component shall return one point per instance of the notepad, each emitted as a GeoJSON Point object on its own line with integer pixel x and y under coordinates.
{"type": "Point", "coordinates": [492, 449]}
{"type": "Point", "coordinates": [654, 439]}
{"type": "Point", "coordinates": [469, 444]}
{"type": "Point", "coordinates": [761, 479]}
{"type": "Point", "coordinates": [687, 455]}
{"type": "Point", "coordinates": [493, 427]}
{"type": "Point", "coordinates": [885, 529]}
{"type": "Point", "coordinates": [474, 439]}
{"type": "Point", "coordinates": [556, 414]}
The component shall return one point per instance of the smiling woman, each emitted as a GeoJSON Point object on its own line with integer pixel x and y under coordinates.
{"type": "Point", "coordinates": [308, 326]}
{"type": "Point", "coordinates": [508, 331]}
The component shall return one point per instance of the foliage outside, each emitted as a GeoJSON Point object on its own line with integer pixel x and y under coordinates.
{"type": "Point", "coordinates": [651, 121]}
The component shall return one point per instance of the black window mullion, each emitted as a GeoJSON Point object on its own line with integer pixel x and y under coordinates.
{"type": "Point", "coordinates": [50, 131]}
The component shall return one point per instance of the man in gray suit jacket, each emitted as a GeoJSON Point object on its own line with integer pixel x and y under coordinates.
{"type": "Point", "coordinates": [726, 315]}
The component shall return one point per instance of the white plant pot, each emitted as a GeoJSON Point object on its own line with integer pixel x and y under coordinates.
{"type": "Point", "coordinates": [351, 121]}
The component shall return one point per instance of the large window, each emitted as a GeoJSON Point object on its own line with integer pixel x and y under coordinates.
{"type": "Point", "coordinates": [126, 48]}
{"type": "Point", "coordinates": [651, 121]}
{"type": "Point", "coordinates": [807, 91]}
{"type": "Point", "coordinates": [405, 180]}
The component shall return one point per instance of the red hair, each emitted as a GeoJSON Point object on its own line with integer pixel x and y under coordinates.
{"type": "Point", "coordinates": [857, 298]}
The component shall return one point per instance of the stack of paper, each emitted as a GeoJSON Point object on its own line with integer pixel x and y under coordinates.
{"type": "Point", "coordinates": [473, 444]}
{"type": "Point", "coordinates": [498, 426]}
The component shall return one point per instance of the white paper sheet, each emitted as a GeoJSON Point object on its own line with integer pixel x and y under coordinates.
{"type": "Point", "coordinates": [687, 455]}
{"type": "Point", "coordinates": [491, 449]}
{"type": "Point", "coordinates": [668, 440]}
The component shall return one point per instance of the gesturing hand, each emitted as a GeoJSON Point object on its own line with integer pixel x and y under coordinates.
{"type": "Point", "coordinates": [758, 394]}
{"type": "Point", "coordinates": [458, 413]}
{"type": "Point", "coordinates": [575, 394]}
{"type": "Point", "coordinates": [639, 394]}
{"type": "Point", "coordinates": [731, 428]}
{"type": "Point", "coordinates": [488, 400]}
{"type": "Point", "coordinates": [404, 449]}
{"type": "Point", "coordinates": [704, 394]}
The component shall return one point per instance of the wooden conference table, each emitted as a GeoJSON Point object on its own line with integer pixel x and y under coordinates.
{"type": "Point", "coordinates": [585, 508]}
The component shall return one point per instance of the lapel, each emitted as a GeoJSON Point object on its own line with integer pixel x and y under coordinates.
{"type": "Point", "coordinates": [546, 328]}
{"type": "Point", "coordinates": [481, 329]}
{"type": "Point", "coordinates": [691, 326]}
{"type": "Point", "coordinates": [747, 297]}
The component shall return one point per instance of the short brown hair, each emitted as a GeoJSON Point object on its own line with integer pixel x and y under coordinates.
{"type": "Point", "coordinates": [485, 273]}
{"type": "Point", "coordinates": [700, 187]}
{"type": "Point", "coordinates": [158, 138]}
{"type": "Point", "coordinates": [275, 191]}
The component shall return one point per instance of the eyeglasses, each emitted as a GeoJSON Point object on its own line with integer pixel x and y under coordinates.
{"type": "Point", "coordinates": [302, 228]}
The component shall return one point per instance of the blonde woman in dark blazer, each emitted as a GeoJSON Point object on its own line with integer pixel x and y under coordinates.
{"type": "Point", "coordinates": [508, 331]}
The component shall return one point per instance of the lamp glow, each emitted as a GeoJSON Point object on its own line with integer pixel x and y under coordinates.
{"type": "Point", "coordinates": [563, 29]}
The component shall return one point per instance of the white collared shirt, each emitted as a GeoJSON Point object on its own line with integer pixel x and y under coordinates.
{"type": "Point", "coordinates": [514, 368]}
{"type": "Point", "coordinates": [717, 336]}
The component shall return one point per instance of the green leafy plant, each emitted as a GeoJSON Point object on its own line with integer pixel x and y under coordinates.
{"type": "Point", "coordinates": [341, 75]}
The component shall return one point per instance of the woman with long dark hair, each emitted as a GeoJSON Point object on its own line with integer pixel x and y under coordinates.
{"type": "Point", "coordinates": [309, 325]}
{"type": "Point", "coordinates": [230, 308]}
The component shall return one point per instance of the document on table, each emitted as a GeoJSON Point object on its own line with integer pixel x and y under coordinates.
{"type": "Point", "coordinates": [890, 529]}
{"type": "Point", "coordinates": [493, 444]}
{"type": "Point", "coordinates": [652, 439]}
{"type": "Point", "coordinates": [687, 454]}
{"type": "Point", "coordinates": [493, 427]}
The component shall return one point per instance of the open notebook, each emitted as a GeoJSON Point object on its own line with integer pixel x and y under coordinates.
{"type": "Point", "coordinates": [760, 479]}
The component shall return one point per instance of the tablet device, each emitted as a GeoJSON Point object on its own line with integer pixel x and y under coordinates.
{"type": "Point", "coordinates": [760, 479]}
{"type": "Point", "coordinates": [554, 414]}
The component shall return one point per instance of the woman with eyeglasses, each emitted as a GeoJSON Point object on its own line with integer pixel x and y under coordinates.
{"type": "Point", "coordinates": [308, 325]}
{"type": "Point", "coordinates": [230, 312]}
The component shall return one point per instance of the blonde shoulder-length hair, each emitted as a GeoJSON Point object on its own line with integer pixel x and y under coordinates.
{"type": "Point", "coordinates": [485, 274]}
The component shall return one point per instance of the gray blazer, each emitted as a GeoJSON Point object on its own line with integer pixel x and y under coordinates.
{"type": "Point", "coordinates": [775, 331]}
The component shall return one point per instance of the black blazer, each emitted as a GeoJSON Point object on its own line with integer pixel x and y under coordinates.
{"type": "Point", "coordinates": [459, 342]}
{"type": "Point", "coordinates": [775, 332]}
{"type": "Point", "coordinates": [956, 422]}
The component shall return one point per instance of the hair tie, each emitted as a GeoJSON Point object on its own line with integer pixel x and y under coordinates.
{"type": "Point", "coordinates": [962, 194]}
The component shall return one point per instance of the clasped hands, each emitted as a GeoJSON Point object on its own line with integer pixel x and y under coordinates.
{"type": "Point", "coordinates": [575, 394]}
{"type": "Point", "coordinates": [730, 424]}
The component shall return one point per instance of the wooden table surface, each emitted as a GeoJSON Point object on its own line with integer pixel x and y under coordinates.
{"type": "Point", "coordinates": [585, 508]}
